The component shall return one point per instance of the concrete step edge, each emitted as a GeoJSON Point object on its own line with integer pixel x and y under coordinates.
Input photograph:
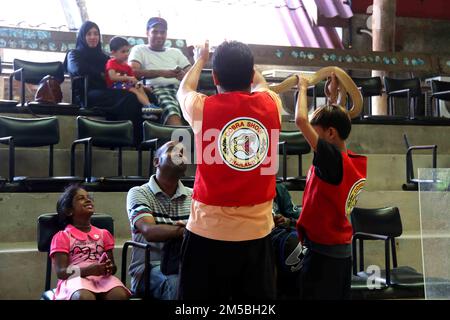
{"type": "Point", "coordinates": [17, 247]}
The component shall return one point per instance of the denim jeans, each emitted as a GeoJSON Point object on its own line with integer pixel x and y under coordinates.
{"type": "Point", "coordinates": [161, 286]}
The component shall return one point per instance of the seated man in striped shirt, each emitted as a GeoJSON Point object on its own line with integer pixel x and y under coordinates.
{"type": "Point", "coordinates": [158, 212]}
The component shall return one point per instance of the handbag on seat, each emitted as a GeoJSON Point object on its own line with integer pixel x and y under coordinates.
{"type": "Point", "coordinates": [49, 91]}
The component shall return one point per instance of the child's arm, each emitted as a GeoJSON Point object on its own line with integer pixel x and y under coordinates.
{"type": "Point", "coordinates": [64, 271]}
{"type": "Point", "coordinates": [114, 76]}
{"type": "Point", "coordinates": [301, 115]}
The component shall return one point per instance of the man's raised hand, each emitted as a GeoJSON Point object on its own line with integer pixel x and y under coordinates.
{"type": "Point", "coordinates": [202, 52]}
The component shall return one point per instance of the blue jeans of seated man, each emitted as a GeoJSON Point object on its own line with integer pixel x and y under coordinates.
{"type": "Point", "coordinates": [161, 286]}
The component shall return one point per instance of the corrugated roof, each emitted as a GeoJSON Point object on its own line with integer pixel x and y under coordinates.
{"type": "Point", "coordinates": [301, 29]}
{"type": "Point", "coordinates": [334, 8]}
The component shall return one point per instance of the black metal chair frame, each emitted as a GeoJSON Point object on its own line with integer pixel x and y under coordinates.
{"type": "Point", "coordinates": [284, 146]}
{"type": "Point", "coordinates": [437, 94]}
{"type": "Point", "coordinates": [386, 225]}
{"type": "Point", "coordinates": [88, 143]}
{"type": "Point", "coordinates": [147, 266]}
{"type": "Point", "coordinates": [153, 144]}
{"type": "Point", "coordinates": [19, 75]}
{"type": "Point", "coordinates": [365, 92]}
{"type": "Point", "coordinates": [83, 104]}
{"type": "Point", "coordinates": [312, 92]}
{"type": "Point", "coordinates": [411, 182]}
{"type": "Point", "coordinates": [7, 103]}
{"type": "Point", "coordinates": [85, 80]}
{"type": "Point", "coordinates": [9, 140]}
{"type": "Point", "coordinates": [389, 244]}
{"type": "Point", "coordinates": [204, 85]}
{"type": "Point", "coordinates": [388, 241]}
{"type": "Point", "coordinates": [12, 157]}
{"type": "Point", "coordinates": [400, 94]}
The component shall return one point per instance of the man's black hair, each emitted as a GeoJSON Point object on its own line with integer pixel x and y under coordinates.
{"type": "Point", "coordinates": [233, 65]}
{"type": "Point", "coordinates": [117, 42]}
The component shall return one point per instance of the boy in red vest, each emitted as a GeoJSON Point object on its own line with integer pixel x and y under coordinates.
{"type": "Point", "coordinates": [333, 183]}
{"type": "Point", "coordinates": [226, 253]}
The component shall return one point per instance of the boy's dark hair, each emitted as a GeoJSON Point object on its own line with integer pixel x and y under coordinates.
{"type": "Point", "coordinates": [65, 202]}
{"type": "Point", "coordinates": [117, 42]}
{"type": "Point", "coordinates": [233, 65]}
{"type": "Point", "coordinates": [333, 116]}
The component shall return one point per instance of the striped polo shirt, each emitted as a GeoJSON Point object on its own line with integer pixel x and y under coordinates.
{"type": "Point", "coordinates": [149, 200]}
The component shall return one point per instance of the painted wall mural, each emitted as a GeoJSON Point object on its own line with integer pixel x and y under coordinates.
{"type": "Point", "coordinates": [59, 41]}
{"type": "Point", "coordinates": [351, 59]}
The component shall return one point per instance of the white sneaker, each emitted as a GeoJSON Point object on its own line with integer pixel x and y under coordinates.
{"type": "Point", "coordinates": [150, 116]}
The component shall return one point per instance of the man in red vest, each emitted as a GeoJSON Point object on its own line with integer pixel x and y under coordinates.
{"type": "Point", "coordinates": [226, 253]}
{"type": "Point", "coordinates": [333, 184]}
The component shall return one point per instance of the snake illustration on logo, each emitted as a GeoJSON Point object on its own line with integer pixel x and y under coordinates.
{"type": "Point", "coordinates": [243, 143]}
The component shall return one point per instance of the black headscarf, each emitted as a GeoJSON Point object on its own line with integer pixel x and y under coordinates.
{"type": "Point", "coordinates": [95, 57]}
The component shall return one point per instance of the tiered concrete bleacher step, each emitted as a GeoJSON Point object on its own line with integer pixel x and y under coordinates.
{"type": "Point", "coordinates": [18, 232]}
{"type": "Point", "coordinates": [22, 268]}
{"type": "Point", "coordinates": [105, 164]}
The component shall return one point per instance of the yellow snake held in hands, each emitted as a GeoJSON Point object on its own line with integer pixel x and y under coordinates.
{"type": "Point", "coordinates": [346, 84]}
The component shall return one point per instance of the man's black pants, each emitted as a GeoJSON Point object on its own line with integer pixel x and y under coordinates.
{"type": "Point", "coordinates": [224, 270]}
{"type": "Point", "coordinates": [325, 278]}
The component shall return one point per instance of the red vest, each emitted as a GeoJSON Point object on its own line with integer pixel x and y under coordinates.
{"type": "Point", "coordinates": [234, 150]}
{"type": "Point", "coordinates": [325, 206]}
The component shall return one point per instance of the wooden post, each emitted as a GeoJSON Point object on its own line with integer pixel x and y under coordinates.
{"type": "Point", "coordinates": [2, 80]}
{"type": "Point", "coordinates": [383, 37]}
{"type": "Point", "coordinates": [72, 13]}
{"type": "Point", "coordinates": [83, 10]}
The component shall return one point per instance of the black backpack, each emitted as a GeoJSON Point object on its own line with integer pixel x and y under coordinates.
{"type": "Point", "coordinates": [289, 251]}
{"type": "Point", "coordinates": [289, 254]}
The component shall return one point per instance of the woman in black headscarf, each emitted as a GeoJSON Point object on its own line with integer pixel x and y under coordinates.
{"type": "Point", "coordinates": [89, 60]}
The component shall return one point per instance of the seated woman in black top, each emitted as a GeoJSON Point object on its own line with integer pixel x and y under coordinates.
{"type": "Point", "coordinates": [88, 59]}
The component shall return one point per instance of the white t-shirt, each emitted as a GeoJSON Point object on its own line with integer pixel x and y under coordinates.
{"type": "Point", "coordinates": [168, 59]}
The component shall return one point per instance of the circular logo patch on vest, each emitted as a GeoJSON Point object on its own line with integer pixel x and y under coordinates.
{"type": "Point", "coordinates": [352, 197]}
{"type": "Point", "coordinates": [243, 144]}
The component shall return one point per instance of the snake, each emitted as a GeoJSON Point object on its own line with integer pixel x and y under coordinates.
{"type": "Point", "coordinates": [346, 85]}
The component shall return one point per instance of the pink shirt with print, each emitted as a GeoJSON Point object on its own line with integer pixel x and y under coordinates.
{"type": "Point", "coordinates": [83, 248]}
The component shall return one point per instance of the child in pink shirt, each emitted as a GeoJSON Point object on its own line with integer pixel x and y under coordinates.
{"type": "Point", "coordinates": [82, 254]}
